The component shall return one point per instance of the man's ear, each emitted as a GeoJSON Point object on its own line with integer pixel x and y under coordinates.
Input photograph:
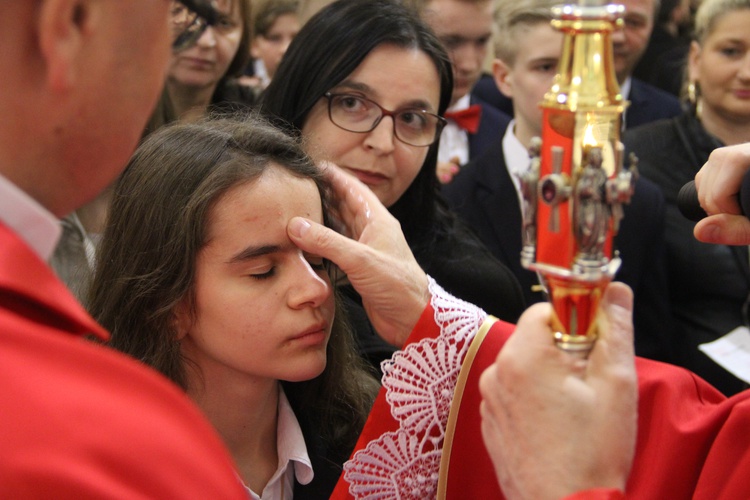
{"type": "Point", "coordinates": [501, 72]}
{"type": "Point", "coordinates": [61, 27]}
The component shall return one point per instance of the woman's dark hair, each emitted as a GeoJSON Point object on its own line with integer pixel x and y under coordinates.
{"type": "Point", "coordinates": [328, 48]}
{"type": "Point", "coordinates": [158, 224]}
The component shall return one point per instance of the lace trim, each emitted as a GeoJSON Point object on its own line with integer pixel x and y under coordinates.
{"type": "Point", "coordinates": [419, 381]}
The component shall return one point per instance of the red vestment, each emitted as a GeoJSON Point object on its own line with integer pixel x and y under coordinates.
{"type": "Point", "coordinates": [692, 441]}
{"type": "Point", "coordinates": [78, 420]}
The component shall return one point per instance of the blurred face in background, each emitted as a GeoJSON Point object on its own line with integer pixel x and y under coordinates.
{"type": "Point", "coordinates": [631, 41]}
{"type": "Point", "coordinates": [465, 30]}
{"type": "Point", "coordinates": [204, 64]}
{"type": "Point", "coordinates": [271, 46]}
{"type": "Point", "coordinates": [530, 75]}
{"type": "Point", "coordinates": [720, 66]}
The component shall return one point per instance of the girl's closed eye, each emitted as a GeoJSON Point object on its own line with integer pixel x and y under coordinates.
{"type": "Point", "coordinates": [263, 273]}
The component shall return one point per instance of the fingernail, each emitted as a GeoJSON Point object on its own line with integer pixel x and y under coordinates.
{"type": "Point", "coordinates": [455, 169]}
{"type": "Point", "coordinates": [445, 178]}
{"type": "Point", "coordinates": [298, 227]}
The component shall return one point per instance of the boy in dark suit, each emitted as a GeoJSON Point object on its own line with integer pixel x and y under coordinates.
{"type": "Point", "coordinates": [487, 193]}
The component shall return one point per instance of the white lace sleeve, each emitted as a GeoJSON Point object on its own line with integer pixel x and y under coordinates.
{"type": "Point", "coordinates": [419, 382]}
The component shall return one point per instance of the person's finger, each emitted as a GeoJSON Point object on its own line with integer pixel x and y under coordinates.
{"type": "Point", "coordinates": [533, 341]}
{"type": "Point", "coordinates": [492, 433]}
{"type": "Point", "coordinates": [614, 347]}
{"type": "Point", "coordinates": [719, 180]}
{"type": "Point", "coordinates": [447, 170]}
{"type": "Point", "coordinates": [319, 240]}
{"type": "Point", "coordinates": [724, 229]}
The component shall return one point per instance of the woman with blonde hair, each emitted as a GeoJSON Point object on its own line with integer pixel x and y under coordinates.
{"type": "Point", "coordinates": [709, 284]}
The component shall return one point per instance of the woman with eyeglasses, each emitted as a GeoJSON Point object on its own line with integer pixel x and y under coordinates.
{"type": "Point", "coordinates": [203, 76]}
{"type": "Point", "coordinates": [364, 84]}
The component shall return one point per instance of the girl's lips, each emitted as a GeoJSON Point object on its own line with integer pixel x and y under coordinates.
{"type": "Point", "coordinates": [312, 336]}
{"type": "Point", "coordinates": [742, 93]}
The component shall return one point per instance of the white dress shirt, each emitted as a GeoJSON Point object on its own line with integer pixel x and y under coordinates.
{"type": "Point", "coordinates": [290, 445]}
{"type": "Point", "coordinates": [517, 159]}
{"type": "Point", "coordinates": [454, 141]}
{"type": "Point", "coordinates": [260, 72]}
{"type": "Point", "coordinates": [39, 228]}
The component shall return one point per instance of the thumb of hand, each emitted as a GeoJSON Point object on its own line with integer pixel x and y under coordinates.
{"type": "Point", "coordinates": [617, 331]}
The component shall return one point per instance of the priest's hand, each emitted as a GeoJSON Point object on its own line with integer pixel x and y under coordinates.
{"type": "Point", "coordinates": [555, 424]}
{"type": "Point", "coordinates": [374, 255]}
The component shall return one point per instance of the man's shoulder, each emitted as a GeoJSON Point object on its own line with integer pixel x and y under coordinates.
{"type": "Point", "coordinates": [480, 171]}
{"type": "Point", "coordinates": [81, 420]}
{"type": "Point", "coordinates": [486, 90]}
{"type": "Point", "coordinates": [649, 103]}
{"type": "Point", "coordinates": [491, 115]}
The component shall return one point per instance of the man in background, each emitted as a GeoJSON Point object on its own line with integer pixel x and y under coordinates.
{"type": "Point", "coordinates": [465, 29]}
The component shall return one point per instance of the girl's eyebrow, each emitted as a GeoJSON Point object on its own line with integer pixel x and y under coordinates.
{"type": "Point", "coordinates": [252, 252]}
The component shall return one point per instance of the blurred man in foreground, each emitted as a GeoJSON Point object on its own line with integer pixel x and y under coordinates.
{"type": "Point", "coordinates": [78, 420]}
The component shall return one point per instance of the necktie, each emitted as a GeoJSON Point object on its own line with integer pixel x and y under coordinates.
{"type": "Point", "coordinates": [71, 257]}
{"type": "Point", "coordinates": [467, 119]}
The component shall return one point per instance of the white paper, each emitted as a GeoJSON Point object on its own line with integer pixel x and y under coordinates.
{"type": "Point", "coordinates": [732, 352]}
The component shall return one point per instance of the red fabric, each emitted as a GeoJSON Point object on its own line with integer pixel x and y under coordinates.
{"type": "Point", "coordinates": [380, 419]}
{"type": "Point", "coordinates": [692, 441]}
{"type": "Point", "coordinates": [597, 494]}
{"type": "Point", "coordinates": [467, 434]}
{"type": "Point", "coordinates": [467, 119]}
{"type": "Point", "coordinates": [78, 420]}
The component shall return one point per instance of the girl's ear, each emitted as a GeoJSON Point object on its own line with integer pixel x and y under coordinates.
{"type": "Point", "coordinates": [181, 319]}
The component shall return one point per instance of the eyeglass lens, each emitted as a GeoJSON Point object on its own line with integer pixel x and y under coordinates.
{"type": "Point", "coordinates": [187, 26]}
{"type": "Point", "coordinates": [357, 114]}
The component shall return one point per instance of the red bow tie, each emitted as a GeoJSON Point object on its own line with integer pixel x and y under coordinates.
{"type": "Point", "coordinates": [467, 119]}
